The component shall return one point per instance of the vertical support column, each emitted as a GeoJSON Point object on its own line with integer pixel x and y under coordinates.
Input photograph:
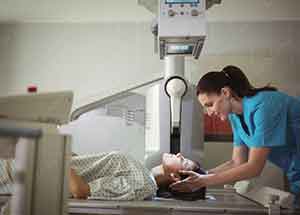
{"type": "Point", "coordinates": [174, 66]}
{"type": "Point", "coordinates": [175, 88]}
{"type": "Point", "coordinates": [22, 197]}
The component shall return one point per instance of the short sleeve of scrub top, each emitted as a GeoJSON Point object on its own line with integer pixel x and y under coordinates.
{"type": "Point", "coordinates": [265, 115]}
{"type": "Point", "coordinates": [269, 120]}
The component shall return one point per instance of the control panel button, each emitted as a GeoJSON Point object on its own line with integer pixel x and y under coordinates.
{"type": "Point", "coordinates": [194, 12]}
{"type": "Point", "coordinates": [171, 13]}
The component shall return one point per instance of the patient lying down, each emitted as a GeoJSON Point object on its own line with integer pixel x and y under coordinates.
{"type": "Point", "coordinates": [116, 176]}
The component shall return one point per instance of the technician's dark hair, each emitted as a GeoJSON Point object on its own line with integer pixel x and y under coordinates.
{"type": "Point", "coordinates": [232, 77]}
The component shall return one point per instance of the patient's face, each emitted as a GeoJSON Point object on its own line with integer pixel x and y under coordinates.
{"type": "Point", "coordinates": [173, 163]}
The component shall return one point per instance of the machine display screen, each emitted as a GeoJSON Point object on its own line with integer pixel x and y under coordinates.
{"type": "Point", "coordinates": [182, 1]}
{"type": "Point", "coordinates": [180, 49]}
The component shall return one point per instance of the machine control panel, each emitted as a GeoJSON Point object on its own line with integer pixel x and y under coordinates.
{"type": "Point", "coordinates": [172, 8]}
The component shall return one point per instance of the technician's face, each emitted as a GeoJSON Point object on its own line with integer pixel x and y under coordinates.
{"type": "Point", "coordinates": [173, 163]}
{"type": "Point", "coordinates": [216, 105]}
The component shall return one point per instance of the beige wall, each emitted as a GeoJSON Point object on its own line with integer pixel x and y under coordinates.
{"type": "Point", "coordinates": [216, 153]}
{"type": "Point", "coordinates": [95, 58]}
{"type": "Point", "coordinates": [268, 52]}
{"type": "Point", "coordinates": [87, 58]}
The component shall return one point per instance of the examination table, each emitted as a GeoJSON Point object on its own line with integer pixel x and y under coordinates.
{"type": "Point", "coordinates": [222, 201]}
{"type": "Point", "coordinates": [218, 201]}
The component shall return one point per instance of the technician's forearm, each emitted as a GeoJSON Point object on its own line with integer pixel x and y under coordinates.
{"type": "Point", "coordinates": [241, 172]}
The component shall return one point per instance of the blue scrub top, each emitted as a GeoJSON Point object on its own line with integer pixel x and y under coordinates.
{"type": "Point", "coordinates": [272, 119]}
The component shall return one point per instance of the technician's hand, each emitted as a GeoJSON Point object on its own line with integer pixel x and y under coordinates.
{"type": "Point", "coordinates": [193, 182]}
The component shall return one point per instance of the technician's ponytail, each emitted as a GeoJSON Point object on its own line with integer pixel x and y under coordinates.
{"type": "Point", "coordinates": [232, 77]}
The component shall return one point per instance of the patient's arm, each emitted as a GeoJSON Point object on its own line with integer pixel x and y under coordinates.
{"type": "Point", "coordinates": [78, 187]}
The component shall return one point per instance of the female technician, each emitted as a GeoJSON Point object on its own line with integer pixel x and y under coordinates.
{"type": "Point", "coordinates": [265, 123]}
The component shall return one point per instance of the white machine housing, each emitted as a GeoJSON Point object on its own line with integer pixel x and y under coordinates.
{"type": "Point", "coordinates": [181, 31]}
{"type": "Point", "coordinates": [181, 27]}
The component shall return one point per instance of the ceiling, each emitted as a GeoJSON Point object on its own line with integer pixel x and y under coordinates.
{"type": "Point", "coordinates": [129, 11]}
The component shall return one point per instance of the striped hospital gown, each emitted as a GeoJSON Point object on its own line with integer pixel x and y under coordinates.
{"type": "Point", "coordinates": [111, 176]}
{"type": "Point", "coordinates": [6, 170]}
{"type": "Point", "coordinates": [115, 176]}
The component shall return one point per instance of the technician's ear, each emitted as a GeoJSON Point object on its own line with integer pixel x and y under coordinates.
{"type": "Point", "coordinates": [225, 91]}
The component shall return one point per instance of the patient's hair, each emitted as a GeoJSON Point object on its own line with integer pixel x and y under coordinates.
{"type": "Point", "coordinates": [166, 192]}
